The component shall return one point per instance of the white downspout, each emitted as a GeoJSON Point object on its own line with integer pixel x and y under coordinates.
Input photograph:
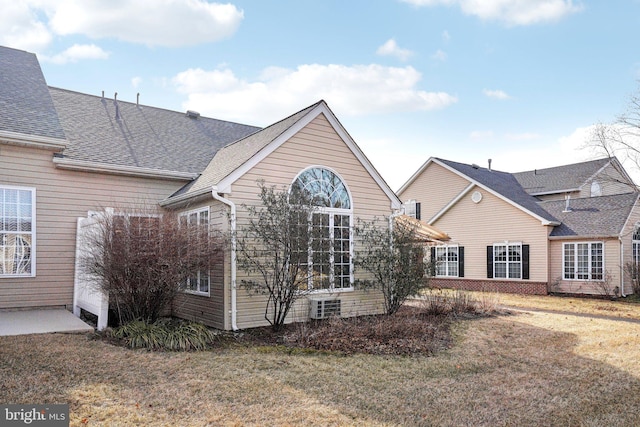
{"type": "Point", "coordinates": [621, 267]}
{"type": "Point", "coordinates": [232, 207]}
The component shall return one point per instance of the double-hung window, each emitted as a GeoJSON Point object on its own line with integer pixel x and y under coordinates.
{"type": "Point", "coordinates": [507, 260]}
{"type": "Point", "coordinates": [328, 260]}
{"type": "Point", "coordinates": [200, 282]}
{"type": "Point", "coordinates": [448, 260]}
{"type": "Point", "coordinates": [583, 261]}
{"type": "Point", "coordinates": [17, 231]}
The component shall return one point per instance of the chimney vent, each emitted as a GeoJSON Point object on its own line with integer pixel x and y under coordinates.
{"type": "Point", "coordinates": [115, 103]}
{"type": "Point", "coordinates": [193, 114]}
{"type": "Point", "coordinates": [138, 99]}
{"type": "Point", "coordinates": [489, 165]}
{"type": "Point", "coordinates": [567, 207]}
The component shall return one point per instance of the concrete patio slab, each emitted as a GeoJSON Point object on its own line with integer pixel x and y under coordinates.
{"type": "Point", "coordinates": [40, 322]}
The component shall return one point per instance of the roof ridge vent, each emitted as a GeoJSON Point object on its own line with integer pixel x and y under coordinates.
{"type": "Point", "coordinates": [473, 165]}
{"type": "Point", "coordinates": [192, 114]}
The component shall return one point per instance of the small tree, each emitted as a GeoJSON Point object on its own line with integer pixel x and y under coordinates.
{"type": "Point", "coordinates": [274, 245]}
{"type": "Point", "coordinates": [141, 259]}
{"type": "Point", "coordinates": [394, 255]}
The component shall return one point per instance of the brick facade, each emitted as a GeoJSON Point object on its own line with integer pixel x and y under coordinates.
{"type": "Point", "coordinates": [506, 286]}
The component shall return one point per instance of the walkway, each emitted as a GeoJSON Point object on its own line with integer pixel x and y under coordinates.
{"type": "Point", "coordinates": [40, 322]}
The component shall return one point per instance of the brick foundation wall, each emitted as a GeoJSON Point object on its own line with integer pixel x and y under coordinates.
{"type": "Point", "coordinates": [506, 286]}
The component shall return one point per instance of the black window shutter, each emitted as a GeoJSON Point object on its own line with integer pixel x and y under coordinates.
{"type": "Point", "coordinates": [525, 261]}
{"type": "Point", "coordinates": [490, 262]}
{"type": "Point", "coordinates": [417, 210]}
{"type": "Point", "coordinates": [460, 261]}
{"type": "Point", "coordinates": [433, 254]}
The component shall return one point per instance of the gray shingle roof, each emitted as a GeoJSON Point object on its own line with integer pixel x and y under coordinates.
{"type": "Point", "coordinates": [25, 101]}
{"type": "Point", "coordinates": [142, 136]}
{"type": "Point", "coordinates": [557, 179]}
{"type": "Point", "coordinates": [232, 156]}
{"type": "Point", "coordinates": [602, 216]}
{"type": "Point", "coordinates": [503, 183]}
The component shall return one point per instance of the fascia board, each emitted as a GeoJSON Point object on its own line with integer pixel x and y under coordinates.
{"type": "Point", "coordinates": [321, 108]}
{"type": "Point", "coordinates": [415, 176]}
{"type": "Point", "coordinates": [33, 141]}
{"type": "Point", "coordinates": [543, 221]}
{"type": "Point", "coordinates": [97, 167]}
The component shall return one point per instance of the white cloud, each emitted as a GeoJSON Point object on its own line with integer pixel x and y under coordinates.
{"type": "Point", "coordinates": [135, 82]}
{"type": "Point", "coordinates": [565, 150]}
{"type": "Point", "coordinates": [446, 36]}
{"type": "Point", "coordinates": [31, 24]}
{"type": "Point", "coordinates": [391, 48]}
{"type": "Point", "coordinates": [527, 136]}
{"type": "Point", "coordinates": [77, 52]}
{"type": "Point", "coordinates": [20, 27]}
{"type": "Point", "coordinates": [151, 22]}
{"type": "Point", "coordinates": [496, 94]}
{"type": "Point", "coordinates": [439, 55]}
{"type": "Point", "coordinates": [478, 135]}
{"type": "Point", "coordinates": [349, 90]}
{"type": "Point", "coordinates": [510, 12]}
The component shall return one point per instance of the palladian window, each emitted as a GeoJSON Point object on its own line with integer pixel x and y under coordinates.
{"type": "Point", "coordinates": [329, 259]}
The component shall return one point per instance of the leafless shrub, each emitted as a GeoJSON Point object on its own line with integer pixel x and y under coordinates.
{"type": "Point", "coordinates": [632, 270]}
{"type": "Point", "coordinates": [457, 302]}
{"type": "Point", "coordinates": [143, 258]}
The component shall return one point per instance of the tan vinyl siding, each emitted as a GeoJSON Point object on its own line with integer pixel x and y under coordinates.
{"type": "Point", "coordinates": [493, 220]}
{"type": "Point", "coordinates": [61, 197]}
{"type": "Point", "coordinates": [611, 266]}
{"type": "Point", "coordinates": [317, 144]}
{"type": "Point", "coordinates": [626, 237]}
{"type": "Point", "coordinates": [434, 188]}
{"type": "Point", "coordinates": [611, 182]}
{"type": "Point", "coordinates": [210, 309]}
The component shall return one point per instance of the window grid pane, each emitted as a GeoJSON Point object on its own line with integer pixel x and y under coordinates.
{"type": "Point", "coordinates": [585, 261]}
{"type": "Point", "coordinates": [16, 228]}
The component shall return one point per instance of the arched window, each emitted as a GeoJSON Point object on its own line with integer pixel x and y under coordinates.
{"type": "Point", "coordinates": [329, 259]}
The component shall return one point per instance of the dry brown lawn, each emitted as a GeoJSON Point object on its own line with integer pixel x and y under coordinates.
{"type": "Point", "coordinates": [526, 369]}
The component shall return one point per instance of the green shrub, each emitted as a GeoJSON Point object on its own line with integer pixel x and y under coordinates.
{"type": "Point", "coordinates": [165, 334]}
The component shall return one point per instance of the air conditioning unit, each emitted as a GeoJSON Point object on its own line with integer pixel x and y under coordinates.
{"type": "Point", "coordinates": [321, 308]}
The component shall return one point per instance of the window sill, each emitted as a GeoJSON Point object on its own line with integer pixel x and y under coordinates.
{"type": "Point", "coordinates": [197, 293]}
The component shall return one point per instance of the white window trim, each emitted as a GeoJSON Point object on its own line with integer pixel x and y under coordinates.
{"type": "Point", "coordinates": [635, 246]}
{"type": "Point", "coordinates": [33, 232]}
{"type": "Point", "coordinates": [575, 261]}
{"type": "Point", "coordinates": [507, 244]}
{"type": "Point", "coordinates": [332, 211]}
{"type": "Point", "coordinates": [187, 214]}
{"type": "Point", "coordinates": [331, 289]}
{"type": "Point", "coordinates": [446, 248]}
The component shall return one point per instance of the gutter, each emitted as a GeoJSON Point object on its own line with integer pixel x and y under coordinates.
{"type": "Point", "coordinates": [232, 207]}
{"type": "Point", "coordinates": [89, 166]}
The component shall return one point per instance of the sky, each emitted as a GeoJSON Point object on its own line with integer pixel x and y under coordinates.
{"type": "Point", "coordinates": [521, 82]}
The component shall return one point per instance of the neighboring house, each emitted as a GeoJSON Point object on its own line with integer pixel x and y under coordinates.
{"type": "Point", "coordinates": [568, 229]}
{"type": "Point", "coordinates": [65, 155]}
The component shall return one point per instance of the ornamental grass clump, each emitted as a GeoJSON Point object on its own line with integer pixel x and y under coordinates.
{"type": "Point", "coordinates": [165, 334]}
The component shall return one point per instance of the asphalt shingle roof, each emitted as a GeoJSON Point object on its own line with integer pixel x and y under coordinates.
{"type": "Point", "coordinates": [559, 178]}
{"type": "Point", "coordinates": [503, 183]}
{"type": "Point", "coordinates": [134, 135]}
{"type": "Point", "coordinates": [602, 216]}
{"type": "Point", "coordinates": [25, 101]}
{"type": "Point", "coordinates": [232, 156]}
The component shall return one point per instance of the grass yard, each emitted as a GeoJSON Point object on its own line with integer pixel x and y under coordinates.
{"type": "Point", "coordinates": [537, 368]}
